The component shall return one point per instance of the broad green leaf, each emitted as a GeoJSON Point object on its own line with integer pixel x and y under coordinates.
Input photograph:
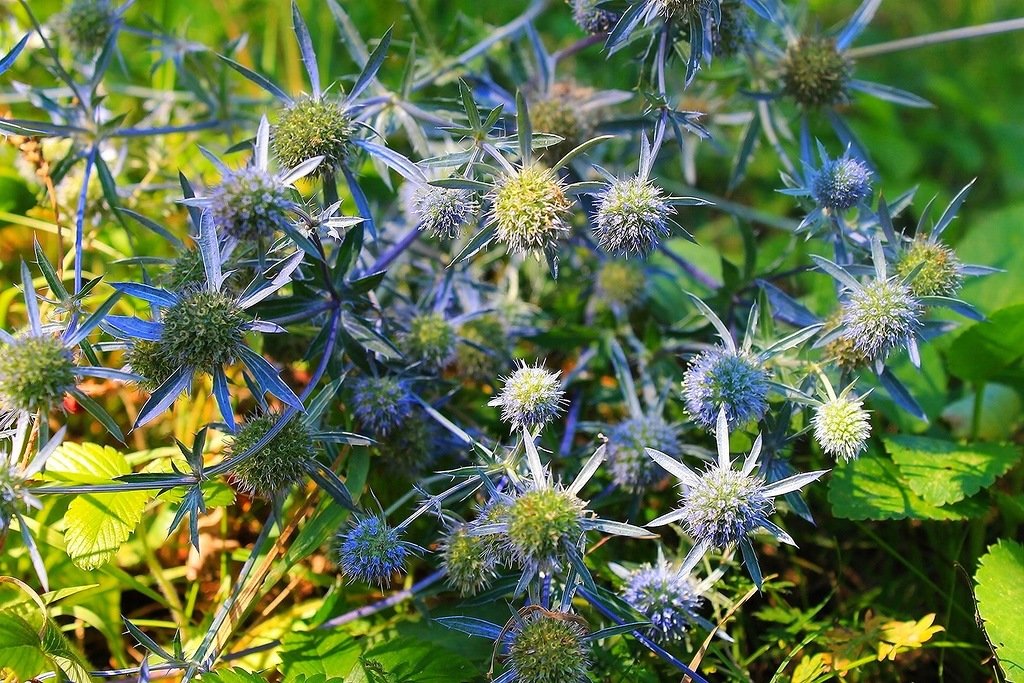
{"type": "Point", "coordinates": [871, 488]}
{"type": "Point", "coordinates": [943, 472]}
{"type": "Point", "coordinates": [1000, 593]}
{"type": "Point", "coordinates": [318, 652]}
{"type": "Point", "coordinates": [995, 240]}
{"type": "Point", "coordinates": [986, 350]}
{"type": "Point", "coordinates": [96, 524]}
{"type": "Point", "coordinates": [21, 649]}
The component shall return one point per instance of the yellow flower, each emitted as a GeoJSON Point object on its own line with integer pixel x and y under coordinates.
{"type": "Point", "coordinates": [900, 636]}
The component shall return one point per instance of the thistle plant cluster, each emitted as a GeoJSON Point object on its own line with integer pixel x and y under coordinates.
{"type": "Point", "coordinates": [434, 328]}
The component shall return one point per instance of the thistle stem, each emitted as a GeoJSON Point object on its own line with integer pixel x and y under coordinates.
{"type": "Point", "coordinates": [578, 46]}
{"type": "Point", "coordinates": [386, 603]}
{"type": "Point", "coordinates": [396, 250]}
{"type": "Point", "coordinates": [966, 33]}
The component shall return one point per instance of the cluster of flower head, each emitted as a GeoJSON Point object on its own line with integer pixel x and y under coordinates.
{"type": "Point", "coordinates": [529, 209]}
{"type": "Point", "coordinates": [279, 464]}
{"type": "Point", "coordinates": [35, 372]}
{"type": "Point", "coordinates": [250, 203]}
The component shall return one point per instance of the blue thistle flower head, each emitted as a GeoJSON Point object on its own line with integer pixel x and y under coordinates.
{"type": "Point", "coordinates": [631, 468]}
{"type": "Point", "coordinates": [842, 426]}
{"type": "Point", "coordinates": [381, 403]}
{"type": "Point", "coordinates": [668, 597]}
{"type": "Point", "coordinates": [372, 551]}
{"type": "Point", "coordinates": [36, 371]}
{"type": "Point", "coordinates": [632, 217]}
{"type": "Point", "coordinates": [250, 203]}
{"type": "Point", "coordinates": [841, 184]}
{"type": "Point", "coordinates": [720, 378]}
{"type": "Point", "coordinates": [442, 211]}
{"type": "Point", "coordinates": [469, 560]}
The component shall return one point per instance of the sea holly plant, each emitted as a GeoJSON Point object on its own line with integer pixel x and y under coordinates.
{"type": "Point", "coordinates": [386, 436]}
{"type": "Point", "coordinates": [722, 506]}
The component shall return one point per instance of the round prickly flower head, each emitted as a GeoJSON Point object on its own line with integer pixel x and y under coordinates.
{"type": "Point", "coordinates": [313, 127]}
{"type": "Point", "coordinates": [203, 330]}
{"type": "Point", "coordinates": [469, 561]}
{"type": "Point", "coordinates": [35, 372]}
{"type": "Point", "coordinates": [940, 274]}
{"type": "Point", "coordinates": [725, 506]}
{"type": "Point", "coordinates": [632, 218]}
{"type": "Point", "coordinates": [621, 283]}
{"type": "Point", "coordinates": [814, 72]}
{"type": "Point", "coordinates": [529, 209]}
{"type": "Point", "coordinates": [481, 359]}
{"type": "Point", "coordinates": [841, 184]}
{"type": "Point", "coordinates": [540, 521]}
{"type": "Point", "coordinates": [734, 33]}
{"type": "Point", "coordinates": [442, 211]}
{"type": "Point", "coordinates": [592, 18]}
{"type": "Point", "coordinates": [381, 403]}
{"type": "Point", "coordinates": [720, 378]}
{"type": "Point", "coordinates": [149, 360]}
{"type": "Point", "coordinates": [86, 24]}
{"type": "Point", "coordinates": [630, 465]}
{"type": "Point", "coordinates": [278, 465]}
{"type": "Point", "coordinates": [549, 647]}
{"type": "Point", "coordinates": [531, 397]}
{"type": "Point", "coordinates": [880, 316]}
{"type": "Point", "coordinates": [371, 551]}
{"type": "Point", "coordinates": [666, 596]}
{"type": "Point", "coordinates": [250, 203]}
{"type": "Point", "coordinates": [842, 427]}
{"type": "Point", "coordinates": [430, 340]}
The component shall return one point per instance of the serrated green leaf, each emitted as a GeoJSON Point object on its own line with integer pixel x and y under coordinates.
{"type": "Point", "coordinates": [871, 488]}
{"type": "Point", "coordinates": [1000, 593]}
{"type": "Point", "coordinates": [96, 524]}
{"type": "Point", "coordinates": [943, 472]}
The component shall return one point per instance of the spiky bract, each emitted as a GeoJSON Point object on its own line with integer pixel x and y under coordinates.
{"type": "Point", "coordinates": [725, 506]}
{"type": "Point", "coordinates": [203, 330]}
{"type": "Point", "coordinates": [529, 209]}
{"type": "Point", "coordinates": [941, 272]}
{"type": "Point", "coordinates": [720, 378]}
{"type": "Point", "coordinates": [630, 465]}
{"type": "Point", "coordinates": [372, 551]}
{"type": "Point", "coordinates": [842, 427]}
{"type": "Point", "coordinates": [313, 127]}
{"type": "Point", "coordinates": [814, 72]}
{"type": "Point", "coordinates": [531, 397]}
{"type": "Point", "coordinates": [35, 372]}
{"type": "Point", "coordinates": [665, 595]}
{"type": "Point", "coordinates": [278, 465]}
{"type": "Point", "coordinates": [880, 316]}
{"type": "Point", "coordinates": [549, 648]}
{"type": "Point", "coordinates": [632, 218]}
{"type": "Point", "coordinates": [250, 203]}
